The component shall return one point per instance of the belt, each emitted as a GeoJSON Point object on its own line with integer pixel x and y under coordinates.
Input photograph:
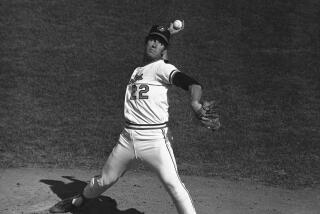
{"type": "Point", "coordinates": [131, 125]}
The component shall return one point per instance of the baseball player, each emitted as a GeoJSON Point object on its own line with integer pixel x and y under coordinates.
{"type": "Point", "coordinates": [146, 135]}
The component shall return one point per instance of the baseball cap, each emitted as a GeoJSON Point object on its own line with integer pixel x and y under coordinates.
{"type": "Point", "coordinates": [158, 31]}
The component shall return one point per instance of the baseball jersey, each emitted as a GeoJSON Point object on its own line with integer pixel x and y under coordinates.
{"type": "Point", "coordinates": [146, 100]}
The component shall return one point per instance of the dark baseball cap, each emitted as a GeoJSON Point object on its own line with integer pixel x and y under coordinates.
{"type": "Point", "coordinates": [158, 31]}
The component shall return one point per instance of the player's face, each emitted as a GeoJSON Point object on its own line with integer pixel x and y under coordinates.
{"type": "Point", "coordinates": [154, 49]}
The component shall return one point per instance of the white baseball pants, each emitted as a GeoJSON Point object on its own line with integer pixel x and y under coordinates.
{"type": "Point", "coordinates": [152, 147]}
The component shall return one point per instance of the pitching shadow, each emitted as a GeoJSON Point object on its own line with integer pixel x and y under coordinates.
{"type": "Point", "coordinates": [102, 204]}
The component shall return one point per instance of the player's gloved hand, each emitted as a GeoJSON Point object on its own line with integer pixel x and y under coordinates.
{"type": "Point", "coordinates": [208, 115]}
{"type": "Point", "coordinates": [174, 31]}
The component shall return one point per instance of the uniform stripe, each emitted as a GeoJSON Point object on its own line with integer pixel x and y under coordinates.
{"type": "Point", "coordinates": [176, 170]}
{"type": "Point", "coordinates": [147, 128]}
{"type": "Point", "coordinates": [171, 75]}
{"type": "Point", "coordinates": [145, 83]}
{"type": "Point", "coordinates": [130, 125]}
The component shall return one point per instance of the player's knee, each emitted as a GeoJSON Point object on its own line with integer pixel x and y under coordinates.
{"type": "Point", "coordinates": [175, 189]}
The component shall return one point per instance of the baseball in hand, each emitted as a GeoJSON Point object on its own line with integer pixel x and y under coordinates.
{"type": "Point", "coordinates": [177, 24]}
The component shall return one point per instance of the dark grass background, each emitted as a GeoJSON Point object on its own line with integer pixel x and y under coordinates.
{"type": "Point", "coordinates": [64, 65]}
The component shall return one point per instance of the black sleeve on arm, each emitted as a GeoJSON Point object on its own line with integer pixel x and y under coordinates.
{"type": "Point", "coordinates": [183, 81]}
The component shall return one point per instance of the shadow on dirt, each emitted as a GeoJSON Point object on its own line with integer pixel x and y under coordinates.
{"type": "Point", "coordinates": [102, 204]}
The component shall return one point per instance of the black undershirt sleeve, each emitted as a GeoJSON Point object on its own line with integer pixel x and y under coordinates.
{"type": "Point", "coordinates": [183, 81]}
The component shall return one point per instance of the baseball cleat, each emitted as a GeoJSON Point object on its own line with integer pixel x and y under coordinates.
{"type": "Point", "coordinates": [64, 206]}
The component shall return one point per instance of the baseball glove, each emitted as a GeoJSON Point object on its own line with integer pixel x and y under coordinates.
{"type": "Point", "coordinates": [209, 116]}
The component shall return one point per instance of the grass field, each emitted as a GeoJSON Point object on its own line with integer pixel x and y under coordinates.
{"type": "Point", "coordinates": [64, 66]}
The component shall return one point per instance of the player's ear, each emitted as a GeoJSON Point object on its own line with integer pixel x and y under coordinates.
{"type": "Point", "coordinates": [164, 54]}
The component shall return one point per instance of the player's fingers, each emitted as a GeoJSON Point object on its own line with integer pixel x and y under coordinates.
{"type": "Point", "coordinates": [208, 104]}
{"type": "Point", "coordinates": [211, 115]}
{"type": "Point", "coordinates": [212, 111]}
{"type": "Point", "coordinates": [171, 25]}
{"type": "Point", "coordinates": [182, 27]}
{"type": "Point", "coordinates": [205, 119]}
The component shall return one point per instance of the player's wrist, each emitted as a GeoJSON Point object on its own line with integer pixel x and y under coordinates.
{"type": "Point", "coordinates": [196, 105]}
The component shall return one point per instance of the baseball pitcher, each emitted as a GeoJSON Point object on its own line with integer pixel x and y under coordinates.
{"type": "Point", "coordinates": [146, 135]}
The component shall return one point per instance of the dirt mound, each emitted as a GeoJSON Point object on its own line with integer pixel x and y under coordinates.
{"type": "Point", "coordinates": [34, 190]}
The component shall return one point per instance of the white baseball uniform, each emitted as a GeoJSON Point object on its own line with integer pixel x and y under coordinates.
{"type": "Point", "coordinates": [146, 136]}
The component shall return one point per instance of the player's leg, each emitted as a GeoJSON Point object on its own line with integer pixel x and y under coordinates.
{"type": "Point", "coordinates": [117, 163]}
{"type": "Point", "coordinates": [168, 174]}
{"type": "Point", "coordinates": [161, 159]}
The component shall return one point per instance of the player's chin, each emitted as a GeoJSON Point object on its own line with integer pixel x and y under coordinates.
{"type": "Point", "coordinates": [153, 56]}
{"type": "Point", "coordinates": [152, 53]}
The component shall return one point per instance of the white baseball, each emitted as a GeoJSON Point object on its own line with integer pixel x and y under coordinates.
{"type": "Point", "coordinates": [177, 24]}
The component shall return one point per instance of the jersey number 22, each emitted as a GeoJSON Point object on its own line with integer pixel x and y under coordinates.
{"type": "Point", "coordinates": [142, 90]}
